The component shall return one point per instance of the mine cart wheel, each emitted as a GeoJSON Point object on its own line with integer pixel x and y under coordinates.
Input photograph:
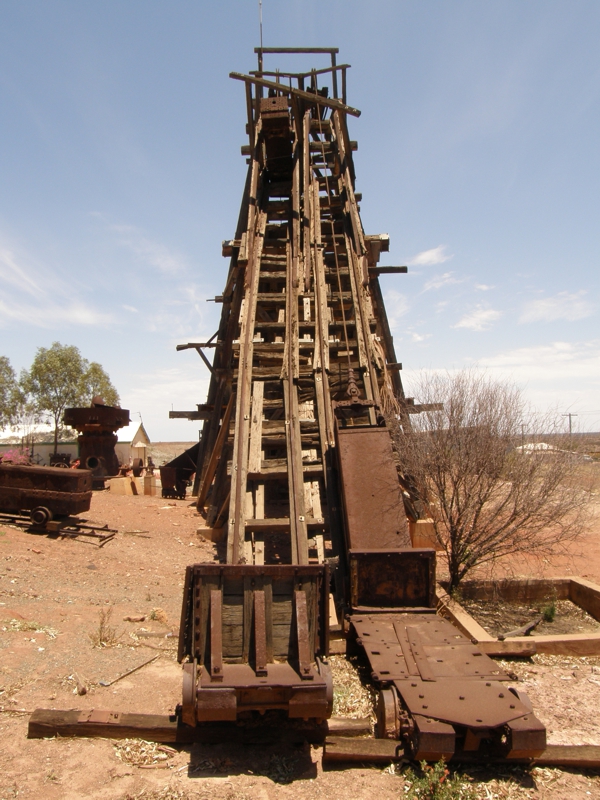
{"type": "Point", "coordinates": [387, 714]}
{"type": "Point", "coordinates": [188, 705]}
{"type": "Point", "coordinates": [40, 516]}
{"type": "Point", "coordinates": [62, 465]}
{"type": "Point", "coordinates": [325, 672]}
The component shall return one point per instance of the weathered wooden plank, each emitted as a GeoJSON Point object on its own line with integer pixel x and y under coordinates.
{"type": "Point", "coordinates": [216, 454]}
{"type": "Point", "coordinates": [586, 594]}
{"type": "Point", "coordinates": [463, 621]}
{"type": "Point", "coordinates": [254, 452]}
{"type": "Point", "coordinates": [164, 728]}
{"type": "Point", "coordinates": [344, 749]}
{"type": "Point", "coordinates": [235, 537]}
{"type": "Point", "coordinates": [45, 723]}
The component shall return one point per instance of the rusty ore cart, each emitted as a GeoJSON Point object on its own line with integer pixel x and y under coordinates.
{"type": "Point", "coordinates": [45, 492]}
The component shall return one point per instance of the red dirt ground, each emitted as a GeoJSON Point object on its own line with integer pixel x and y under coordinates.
{"type": "Point", "coordinates": [52, 591]}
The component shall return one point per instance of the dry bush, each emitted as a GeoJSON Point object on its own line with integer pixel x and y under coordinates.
{"type": "Point", "coordinates": [106, 635]}
{"type": "Point", "coordinates": [488, 496]}
{"type": "Point", "coordinates": [159, 615]}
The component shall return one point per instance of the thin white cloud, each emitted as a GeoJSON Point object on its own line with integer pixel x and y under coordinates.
{"type": "Point", "coordinates": [396, 306]}
{"type": "Point", "coordinates": [419, 337]}
{"type": "Point", "coordinates": [565, 359]}
{"type": "Point", "coordinates": [12, 273]}
{"type": "Point", "coordinates": [480, 319]}
{"type": "Point", "coordinates": [428, 258]}
{"type": "Point", "coordinates": [440, 280]}
{"type": "Point", "coordinates": [130, 308]}
{"type": "Point", "coordinates": [564, 305]}
{"type": "Point", "coordinates": [33, 294]}
{"type": "Point", "coordinates": [150, 251]}
{"type": "Point", "coordinates": [52, 314]}
{"type": "Point", "coordinates": [483, 287]}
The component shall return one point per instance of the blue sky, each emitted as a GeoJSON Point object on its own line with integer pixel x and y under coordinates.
{"type": "Point", "coordinates": [120, 175]}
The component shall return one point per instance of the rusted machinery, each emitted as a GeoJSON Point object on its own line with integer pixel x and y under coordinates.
{"type": "Point", "coordinates": [175, 476]}
{"type": "Point", "coordinates": [45, 492]}
{"type": "Point", "coordinates": [97, 426]}
{"type": "Point", "coordinates": [297, 468]}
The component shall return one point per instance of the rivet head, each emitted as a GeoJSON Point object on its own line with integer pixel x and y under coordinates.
{"type": "Point", "coordinates": [461, 697]}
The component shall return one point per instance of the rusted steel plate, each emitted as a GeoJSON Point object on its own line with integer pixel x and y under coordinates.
{"type": "Point", "coordinates": [474, 704]}
{"type": "Point", "coordinates": [427, 646]}
{"type": "Point", "coordinates": [388, 578]}
{"type": "Point", "coordinates": [372, 499]}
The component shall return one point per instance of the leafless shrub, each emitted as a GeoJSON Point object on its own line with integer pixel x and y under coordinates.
{"type": "Point", "coordinates": [489, 496]}
{"type": "Point", "coordinates": [106, 635]}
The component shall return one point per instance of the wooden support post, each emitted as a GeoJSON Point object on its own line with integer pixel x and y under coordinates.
{"type": "Point", "coordinates": [236, 532]}
{"type": "Point", "coordinates": [216, 454]}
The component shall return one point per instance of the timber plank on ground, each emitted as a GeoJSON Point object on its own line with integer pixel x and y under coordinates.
{"type": "Point", "coordinates": [45, 723]}
{"type": "Point", "coordinates": [338, 749]}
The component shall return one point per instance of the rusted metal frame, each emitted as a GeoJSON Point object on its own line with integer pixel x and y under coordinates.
{"type": "Point", "coordinates": [236, 532]}
{"type": "Point", "coordinates": [216, 635]}
{"type": "Point", "coordinates": [201, 613]}
{"type": "Point", "coordinates": [316, 99]}
{"type": "Point", "coordinates": [211, 467]}
{"type": "Point", "coordinates": [260, 633]}
{"type": "Point", "coordinates": [303, 636]}
{"type": "Point", "coordinates": [290, 374]}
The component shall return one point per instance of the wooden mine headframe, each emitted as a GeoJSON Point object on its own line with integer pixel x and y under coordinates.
{"type": "Point", "coordinates": [303, 334]}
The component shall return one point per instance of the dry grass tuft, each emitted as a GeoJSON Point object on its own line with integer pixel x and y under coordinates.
{"type": "Point", "coordinates": [139, 753]}
{"type": "Point", "coordinates": [106, 635]}
{"type": "Point", "coordinates": [173, 793]}
{"type": "Point", "coordinates": [350, 697]}
{"type": "Point", "coordinates": [160, 615]}
{"type": "Point", "coordinates": [25, 626]}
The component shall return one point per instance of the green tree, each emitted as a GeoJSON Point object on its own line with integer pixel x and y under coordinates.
{"type": "Point", "coordinates": [96, 382]}
{"type": "Point", "coordinates": [61, 378]}
{"type": "Point", "coordinates": [9, 393]}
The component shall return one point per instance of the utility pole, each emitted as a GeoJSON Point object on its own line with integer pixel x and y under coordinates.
{"type": "Point", "coordinates": [570, 416]}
